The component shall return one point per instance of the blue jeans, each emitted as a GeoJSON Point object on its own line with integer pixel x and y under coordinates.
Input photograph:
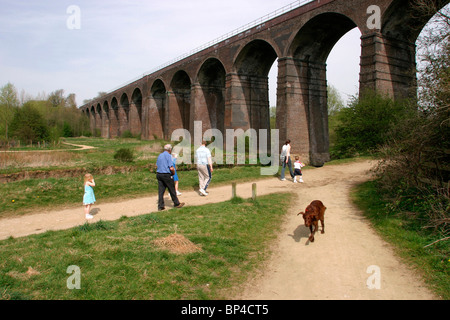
{"type": "Point", "coordinates": [289, 164]}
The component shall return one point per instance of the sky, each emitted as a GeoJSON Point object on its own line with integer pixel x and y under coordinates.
{"type": "Point", "coordinates": [46, 46]}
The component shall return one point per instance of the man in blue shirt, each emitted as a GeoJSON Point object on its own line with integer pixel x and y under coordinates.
{"type": "Point", "coordinates": [164, 173]}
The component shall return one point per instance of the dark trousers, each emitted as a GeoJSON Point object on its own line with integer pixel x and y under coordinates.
{"type": "Point", "coordinates": [289, 164]}
{"type": "Point", "coordinates": [210, 176]}
{"type": "Point", "coordinates": [165, 181]}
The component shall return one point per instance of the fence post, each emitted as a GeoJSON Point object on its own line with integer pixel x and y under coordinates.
{"type": "Point", "coordinates": [233, 190]}
{"type": "Point", "coordinates": [254, 191]}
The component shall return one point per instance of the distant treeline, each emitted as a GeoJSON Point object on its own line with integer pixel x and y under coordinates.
{"type": "Point", "coordinates": [46, 118]}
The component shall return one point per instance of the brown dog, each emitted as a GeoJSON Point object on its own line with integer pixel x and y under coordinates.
{"type": "Point", "coordinates": [314, 212]}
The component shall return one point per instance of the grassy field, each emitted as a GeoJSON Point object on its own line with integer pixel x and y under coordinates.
{"type": "Point", "coordinates": [409, 238]}
{"type": "Point", "coordinates": [136, 258]}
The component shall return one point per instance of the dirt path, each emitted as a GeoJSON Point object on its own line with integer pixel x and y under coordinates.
{"type": "Point", "coordinates": [78, 147]}
{"type": "Point", "coordinates": [335, 266]}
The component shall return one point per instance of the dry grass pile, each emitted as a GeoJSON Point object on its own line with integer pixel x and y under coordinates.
{"type": "Point", "coordinates": [176, 243]}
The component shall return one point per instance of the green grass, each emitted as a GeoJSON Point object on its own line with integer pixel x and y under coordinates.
{"type": "Point", "coordinates": [118, 259]}
{"type": "Point", "coordinates": [409, 238]}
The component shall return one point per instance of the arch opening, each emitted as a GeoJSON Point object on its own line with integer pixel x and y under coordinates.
{"type": "Point", "coordinates": [210, 99]}
{"type": "Point", "coordinates": [179, 102]}
{"type": "Point", "coordinates": [157, 111]}
{"type": "Point", "coordinates": [251, 97]}
{"type": "Point", "coordinates": [306, 86]}
{"type": "Point", "coordinates": [136, 112]}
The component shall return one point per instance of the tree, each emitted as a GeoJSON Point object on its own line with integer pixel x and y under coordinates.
{"type": "Point", "coordinates": [57, 99]}
{"type": "Point", "coordinates": [29, 125]}
{"type": "Point", "coordinates": [334, 100]}
{"type": "Point", "coordinates": [8, 102]}
{"type": "Point", "coordinates": [433, 52]}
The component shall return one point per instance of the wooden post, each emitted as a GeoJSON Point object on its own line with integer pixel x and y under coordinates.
{"type": "Point", "coordinates": [233, 190]}
{"type": "Point", "coordinates": [254, 191]}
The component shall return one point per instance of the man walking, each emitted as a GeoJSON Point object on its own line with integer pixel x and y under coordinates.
{"type": "Point", "coordinates": [164, 173]}
{"type": "Point", "coordinates": [204, 168]}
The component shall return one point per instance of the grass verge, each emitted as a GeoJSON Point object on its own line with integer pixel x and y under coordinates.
{"type": "Point", "coordinates": [124, 259]}
{"type": "Point", "coordinates": [407, 236]}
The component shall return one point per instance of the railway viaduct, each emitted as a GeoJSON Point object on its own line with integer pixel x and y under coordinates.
{"type": "Point", "coordinates": [225, 85]}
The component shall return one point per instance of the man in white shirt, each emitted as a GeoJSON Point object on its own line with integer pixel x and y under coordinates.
{"type": "Point", "coordinates": [204, 167]}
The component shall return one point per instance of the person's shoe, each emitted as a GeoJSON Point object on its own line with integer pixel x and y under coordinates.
{"type": "Point", "coordinates": [89, 216]}
{"type": "Point", "coordinates": [161, 209]}
{"type": "Point", "coordinates": [202, 192]}
{"type": "Point", "coordinates": [178, 193]}
{"type": "Point", "coordinates": [181, 205]}
{"type": "Point", "coordinates": [283, 179]}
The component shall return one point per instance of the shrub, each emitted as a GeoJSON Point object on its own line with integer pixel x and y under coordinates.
{"type": "Point", "coordinates": [124, 155]}
{"type": "Point", "coordinates": [127, 134]}
{"type": "Point", "coordinates": [364, 125]}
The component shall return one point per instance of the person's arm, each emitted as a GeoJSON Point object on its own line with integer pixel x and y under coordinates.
{"type": "Point", "coordinates": [169, 163]}
{"type": "Point", "coordinates": [91, 183]}
{"type": "Point", "coordinates": [210, 161]}
{"type": "Point", "coordinates": [210, 164]}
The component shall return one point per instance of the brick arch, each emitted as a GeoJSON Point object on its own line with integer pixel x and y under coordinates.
{"type": "Point", "coordinates": [315, 40]}
{"type": "Point", "coordinates": [106, 108]}
{"type": "Point", "coordinates": [306, 65]}
{"type": "Point", "coordinates": [402, 22]}
{"type": "Point", "coordinates": [396, 43]}
{"type": "Point", "coordinates": [124, 113]}
{"type": "Point", "coordinates": [157, 110]}
{"type": "Point", "coordinates": [114, 119]}
{"type": "Point", "coordinates": [98, 118]}
{"type": "Point", "coordinates": [135, 112]}
{"type": "Point", "coordinates": [251, 68]}
{"type": "Point", "coordinates": [106, 120]}
{"type": "Point", "coordinates": [179, 101]}
{"type": "Point", "coordinates": [92, 119]}
{"type": "Point", "coordinates": [209, 95]}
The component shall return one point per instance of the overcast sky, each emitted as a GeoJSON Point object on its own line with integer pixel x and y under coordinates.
{"type": "Point", "coordinates": [119, 40]}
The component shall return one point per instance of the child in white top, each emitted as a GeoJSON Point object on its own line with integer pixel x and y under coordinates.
{"type": "Point", "coordinates": [298, 169]}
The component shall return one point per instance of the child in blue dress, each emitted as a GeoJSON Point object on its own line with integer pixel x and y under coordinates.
{"type": "Point", "coordinates": [89, 197]}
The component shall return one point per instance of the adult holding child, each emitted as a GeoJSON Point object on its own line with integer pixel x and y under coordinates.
{"type": "Point", "coordinates": [164, 175]}
{"type": "Point", "coordinates": [204, 167]}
